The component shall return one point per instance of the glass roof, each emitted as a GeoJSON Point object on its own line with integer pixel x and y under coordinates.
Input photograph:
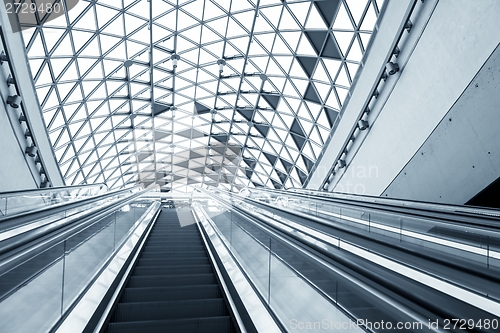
{"type": "Point", "coordinates": [118, 111]}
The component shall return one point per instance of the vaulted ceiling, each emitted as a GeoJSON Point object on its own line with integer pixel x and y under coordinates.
{"type": "Point", "coordinates": [118, 111]}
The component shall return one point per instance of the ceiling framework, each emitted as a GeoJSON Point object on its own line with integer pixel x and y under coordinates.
{"type": "Point", "coordinates": [117, 111]}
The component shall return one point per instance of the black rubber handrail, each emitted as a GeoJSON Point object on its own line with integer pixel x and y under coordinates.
{"type": "Point", "coordinates": [26, 238]}
{"type": "Point", "coordinates": [456, 216]}
{"type": "Point", "coordinates": [48, 189]}
{"type": "Point", "coordinates": [44, 239]}
{"type": "Point", "coordinates": [359, 265]}
{"type": "Point", "coordinates": [44, 212]}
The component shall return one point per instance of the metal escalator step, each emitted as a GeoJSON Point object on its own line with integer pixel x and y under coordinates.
{"type": "Point", "coordinates": [167, 245]}
{"type": "Point", "coordinates": [170, 293]}
{"type": "Point", "coordinates": [170, 310]}
{"type": "Point", "coordinates": [172, 269]}
{"type": "Point", "coordinates": [351, 300]}
{"type": "Point", "coordinates": [175, 249]}
{"type": "Point", "coordinates": [171, 280]}
{"type": "Point", "coordinates": [172, 238]}
{"type": "Point", "coordinates": [197, 325]}
{"type": "Point", "coordinates": [173, 242]}
{"type": "Point", "coordinates": [186, 254]}
{"type": "Point", "coordinates": [173, 260]}
{"type": "Point", "coordinates": [159, 231]}
{"type": "Point", "coordinates": [173, 287]}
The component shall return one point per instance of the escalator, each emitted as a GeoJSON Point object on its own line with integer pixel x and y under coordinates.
{"type": "Point", "coordinates": [173, 286]}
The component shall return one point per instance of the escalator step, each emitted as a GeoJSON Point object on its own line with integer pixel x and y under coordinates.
{"type": "Point", "coordinates": [170, 310]}
{"type": "Point", "coordinates": [187, 254]}
{"type": "Point", "coordinates": [173, 242]}
{"type": "Point", "coordinates": [173, 261]}
{"type": "Point", "coordinates": [170, 293]}
{"type": "Point", "coordinates": [171, 280]}
{"type": "Point", "coordinates": [173, 287]}
{"type": "Point", "coordinates": [173, 249]}
{"type": "Point", "coordinates": [171, 239]}
{"type": "Point", "coordinates": [172, 270]}
{"type": "Point", "coordinates": [198, 325]}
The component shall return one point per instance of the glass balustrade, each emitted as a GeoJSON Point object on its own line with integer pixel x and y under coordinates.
{"type": "Point", "coordinates": [13, 203]}
{"type": "Point", "coordinates": [289, 282]}
{"type": "Point", "coordinates": [35, 294]}
{"type": "Point", "coordinates": [11, 230]}
{"type": "Point", "coordinates": [475, 244]}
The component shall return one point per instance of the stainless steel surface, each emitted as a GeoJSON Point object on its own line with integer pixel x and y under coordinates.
{"type": "Point", "coordinates": [81, 313]}
{"type": "Point", "coordinates": [259, 314]}
{"type": "Point", "coordinates": [47, 292]}
{"type": "Point", "coordinates": [229, 298]}
{"type": "Point", "coordinates": [331, 243]}
{"type": "Point", "coordinates": [291, 297]}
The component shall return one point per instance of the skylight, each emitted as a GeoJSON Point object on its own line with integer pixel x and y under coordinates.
{"type": "Point", "coordinates": [117, 111]}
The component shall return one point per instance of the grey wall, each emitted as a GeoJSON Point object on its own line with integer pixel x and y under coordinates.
{"type": "Point", "coordinates": [462, 155]}
{"type": "Point", "coordinates": [17, 170]}
{"type": "Point", "coordinates": [14, 171]}
{"type": "Point", "coordinates": [436, 71]}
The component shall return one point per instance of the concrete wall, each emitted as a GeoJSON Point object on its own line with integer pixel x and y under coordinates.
{"type": "Point", "coordinates": [458, 39]}
{"type": "Point", "coordinates": [17, 170]}
{"type": "Point", "coordinates": [15, 173]}
{"type": "Point", "coordinates": [462, 155]}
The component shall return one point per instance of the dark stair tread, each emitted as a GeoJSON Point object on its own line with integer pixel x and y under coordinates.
{"type": "Point", "coordinates": [173, 287]}
{"type": "Point", "coordinates": [174, 249]}
{"type": "Point", "coordinates": [137, 311]}
{"type": "Point", "coordinates": [172, 270]}
{"type": "Point", "coordinates": [152, 294]}
{"type": "Point", "coordinates": [181, 254]}
{"type": "Point", "coordinates": [172, 261]}
{"type": "Point", "coordinates": [222, 324]}
{"type": "Point", "coordinates": [171, 280]}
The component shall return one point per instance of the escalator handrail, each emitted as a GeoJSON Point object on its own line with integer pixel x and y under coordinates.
{"type": "Point", "coordinates": [404, 203]}
{"type": "Point", "coordinates": [457, 216]}
{"type": "Point", "coordinates": [199, 213]}
{"type": "Point", "coordinates": [293, 269]}
{"type": "Point", "coordinates": [105, 306]}
{"type": "Point", "coordinates": [360, 283]}
{"type": "Point", "coordinates": [327, 253]}
{"type": "Point", "coordinates": [232, 306]}
{"type": "Point", "coordinates": [48, 189]}
{"type": "Point", "coordinates": [39, 242]}
{"type": "Point", "coordinates": [491, 275]}
{"type": "Point", "coordinates": [21, 220]}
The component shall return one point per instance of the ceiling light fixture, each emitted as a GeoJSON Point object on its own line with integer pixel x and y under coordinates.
{"type": "Point", "coordinates": [31, 151]}
{"type": "Point", "coordinates": [363, 124]}
{"type": "Point", "coordinates": [3, 57]}
{"type": "Point", "coordinates": [14, 101]}
{"type": "Point", "coordinates": [221, 63]}
{"type": "Point", "coordinates": [175, 58]}
{"type": "Point", "coordinates": [10, 80]}
{"type": "Point", "coordinates": [392, 68]}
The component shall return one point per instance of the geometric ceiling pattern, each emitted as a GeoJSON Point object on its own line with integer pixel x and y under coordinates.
{"type": "Point", "coordinates": [131, 90]}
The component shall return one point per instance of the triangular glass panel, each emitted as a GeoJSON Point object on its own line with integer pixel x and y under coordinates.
{"type": "Point", "coordinates": [308, 64]}
{"type": "Point", "coordinates": [300, 10]}
{"type": "Point", "coordinates": [305, 47]}
{"type": "Point", "coordinates": [314, 20]}
{"type": "Point", "coordinates": [328, 10]}
{"type": "Point", "coordinates": [343, 20]}
{"type": "Point", "coordinates": [272, 14]}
